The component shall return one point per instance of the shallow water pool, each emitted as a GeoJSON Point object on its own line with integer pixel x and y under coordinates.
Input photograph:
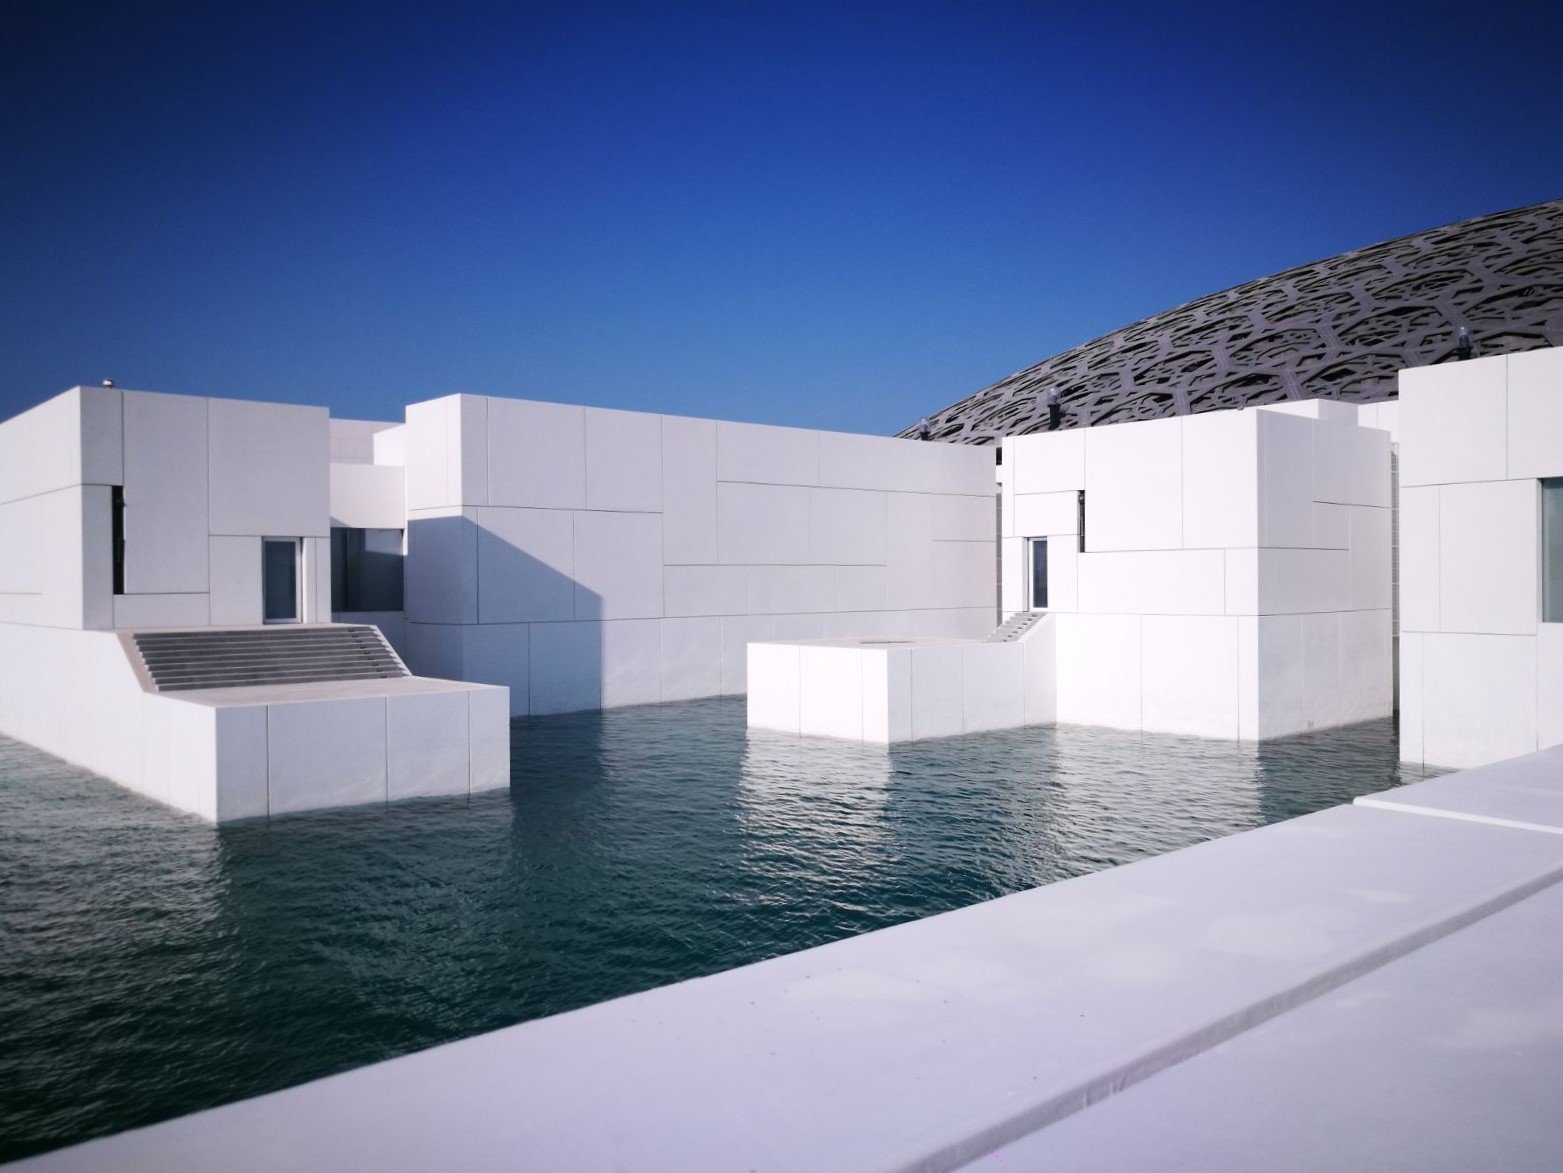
{"type": "Point", "coordinates": [151, 965]}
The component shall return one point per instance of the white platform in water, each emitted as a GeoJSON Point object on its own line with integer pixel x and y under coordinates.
{"type": "Point", "coordinates": [889, 690]}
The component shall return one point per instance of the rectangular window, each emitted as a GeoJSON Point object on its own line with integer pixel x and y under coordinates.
{"type": "Point", "coordinates": [279, 580]}
{"type": "Point", "coordinates": [1552, 551]}
{"type": "Point", "coordinates": [1039, 574]}
{"type": "Point", "coordinates": [366, 569]}
{"type": "Point", "coordinates": [117, 507]}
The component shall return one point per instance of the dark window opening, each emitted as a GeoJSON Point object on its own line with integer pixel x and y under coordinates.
{"type": "Point", "coordinates": [1552, 551]}
{"type": "Point", "coordinates": [1080, 518]}
{"type": "Point", "coordinates": [1038, 574]}
{"type": "Point", "coordinates": [117, 508]}
{"type": "Point", "coordinates": [366, 569]}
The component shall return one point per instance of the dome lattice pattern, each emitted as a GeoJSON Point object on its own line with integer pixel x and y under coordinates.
{"type": "Point", "coordinates": [1339, 328]}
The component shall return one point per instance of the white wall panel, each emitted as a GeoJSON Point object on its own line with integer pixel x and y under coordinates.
{"type": "Point", "coordinates": [165, 493]}
{"type": "Point", "coordinates": [102, 435]}
{"type": "Point", "coordinates": [1221, 480]}
{"type": "Point", "coordinates": [1046, 463]}
{"type": "Point", "coordinates": [1454, 422]}
{"type": "Point", "coordinates": [368, 496]}
{"type": "Point", "coordinates": [427, 742]}
{"type": "Point", "coordinates": [242, 753]}
{"type": "Point", "coordinates": [1419, 558]}
{"type": "Point", "coordinates": [432, 455]}
{"type": "Point", "coordinates": [326, 753]}
{"type": "Point", "coordinates": [269, 468]}
{"type": "Point", "coordinates": [1170, 582]}
{"type": "Point", "coordinates": [566, 663]}
{"type": "Point", "coordinates": [1535, 413]}
{"type": "Point", "coordinates": [767, 524]}
{"type": "Point", "coordinates": [525, 565]}
{"type": "Point", "coordinates": [498, 653]}
{"type": "Point", "coordinates": [1099, 670]}
{"type": "Point", "coordinates": [830, 691]}
{"type": "Point", "coordinates": [536, 454]}
{"type": "Point", "coordinates": [691, 658]}
{"type": "Point", "coordinates": [235, 577]}
{"type": "Point", "coordinates": [1189, 675]}
{"type": "Point", "coordinates": [1412, 697]}
{"type": "Point", "coordinates": [1039, 515]}
{"type": "Point", "coordinates": [1549, 685]}
{"type": "Point", "coordinates": [847, 526]}
{"type": "Point", "coordinates": [704, 590]}
{"type": "Point", "coordinates": [1470, 726]}
{"type": "Point", "coordinates": [488, 732]}
{"type": "Point", "coordinates": [1134, 486]}
{"type": "Point", "coordinates": [968, 519]}
{"type": "Point", "coordinates": [1285, 480]}
{"type": "Point", "coordinates": [1366, 665]}
{"type": "Point", "coordinates": [41, 449]}
{"type": "Point", "coordinates": [769, 455]}
{"type": "Point", "coordinates": [1371, 554]}
{"type": "Point", "coordinates": [623, 460]}
{"type": "Point", "coordinates": [631, 662]}
{"type": "Point", "coordinates": [1488, 574]}
{"type": "Point", "coordinates": [860, 588]}
{"type": "Point", "coordinates": [773, 672]}
{"type": "Point", "coordinates": [938, 692]}
{"type": "Point", "coordinates": [442, 569]}
{"type": "Point", "coordinates": [1242, 582]}
{"type": "Point", "coordinates": [688, 490]}
{"type": "Point", "coordinates": [993, 686]}
{"type": "Point", "coordinates": [618, 565]}
{"type": "Point", "coordinates": [862, 462]}
{"type": "Point", "coordinates": [773, 590]}
{"type": "Point", "coordinates": [161, 611]}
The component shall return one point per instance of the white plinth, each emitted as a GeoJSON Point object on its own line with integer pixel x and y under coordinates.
{"type": "Point", "coordinates": [887, 690]}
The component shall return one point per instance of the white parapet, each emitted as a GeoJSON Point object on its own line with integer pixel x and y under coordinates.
{"type": "Point", "coordinates": [892, 690]}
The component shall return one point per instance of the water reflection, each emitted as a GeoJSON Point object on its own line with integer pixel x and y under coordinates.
{"type": "Point", "coordinates": [151, 965]}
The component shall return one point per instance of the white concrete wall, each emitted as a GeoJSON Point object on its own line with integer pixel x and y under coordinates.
{"type": "Point", "coordinates": [591, 558]}
{"type": "Point", "coordinates": [56, 463]}
{"type": "Point", "coordinates": [204, 481]}
{"type": "Point", "coordinates": [884, 694]}
{"type": "Point", "coordinates": [1481, 676]}
{"type": "Point", "coordinates": [1235, 576]}
{"type": "Point", "coordinates": [75, 694]}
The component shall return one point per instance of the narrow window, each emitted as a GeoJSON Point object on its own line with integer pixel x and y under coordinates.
{"type": "Point", "coordinates": [117, 506]}
{"type": "Point", "coordinates": [1552, 551]}
{"type": "Point", "coordinates": [1080, 518]}
{"type": "Point", "coordinates": [1039, 574]}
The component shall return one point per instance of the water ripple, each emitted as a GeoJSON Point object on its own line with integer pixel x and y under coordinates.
{"type": "Point", "coordinates": [151, 965]}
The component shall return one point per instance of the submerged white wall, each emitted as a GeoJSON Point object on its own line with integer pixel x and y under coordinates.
{"type": "Point", "coordinates": [1481, 676]}
{"type": "Point", "coordinates": [591, 558]}
{"type": "Point", "coordinates": [1235, 580]}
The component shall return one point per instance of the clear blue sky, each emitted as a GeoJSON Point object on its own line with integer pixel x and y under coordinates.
{"type": "Point", "coordinates": [835, 215]}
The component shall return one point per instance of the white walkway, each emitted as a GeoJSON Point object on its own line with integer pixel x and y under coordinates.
{"type": "Point", "coordinates": [1370, 987]}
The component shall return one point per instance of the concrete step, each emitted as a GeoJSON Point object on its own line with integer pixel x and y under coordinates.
{"type": "Point", "coordinates": [241, 658]}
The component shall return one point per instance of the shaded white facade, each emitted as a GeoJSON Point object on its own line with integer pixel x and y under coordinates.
{"type": "Point", "coordinates": [1233, 576]}
{"type": "Point", "coordinates": [588, 558]}
{"type": "Point", "coordinates": [1481, 667]}
{"type": "Point", "coordinates": [198, 486]}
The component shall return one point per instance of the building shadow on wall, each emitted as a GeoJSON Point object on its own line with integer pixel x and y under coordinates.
{"type": "Point", "coordinates": [483, 609]}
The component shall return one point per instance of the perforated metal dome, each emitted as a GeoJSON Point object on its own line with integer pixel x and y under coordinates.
{"type": "Point", "coordinates": [1339, 328]}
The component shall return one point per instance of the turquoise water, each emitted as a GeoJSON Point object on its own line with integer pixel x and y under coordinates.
{"type": "Point", "coordinates": [151, 965]}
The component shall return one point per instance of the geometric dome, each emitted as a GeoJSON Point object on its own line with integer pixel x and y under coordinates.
{"type": "Point", "coordinates": [1339, 329]}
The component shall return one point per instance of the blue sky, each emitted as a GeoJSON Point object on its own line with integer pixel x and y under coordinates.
{"type": "Point", "coordinates": [834, 215]}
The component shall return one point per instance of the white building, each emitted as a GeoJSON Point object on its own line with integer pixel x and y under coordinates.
{"type": "Point", "coordinates": [1227, 575]}
{"type": "Point", "coordinates": [1224, 575]}
{"type": "Point", "coordinates": [1481, 558]}
{"type": "Point", "coordinates": [178, 607]}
